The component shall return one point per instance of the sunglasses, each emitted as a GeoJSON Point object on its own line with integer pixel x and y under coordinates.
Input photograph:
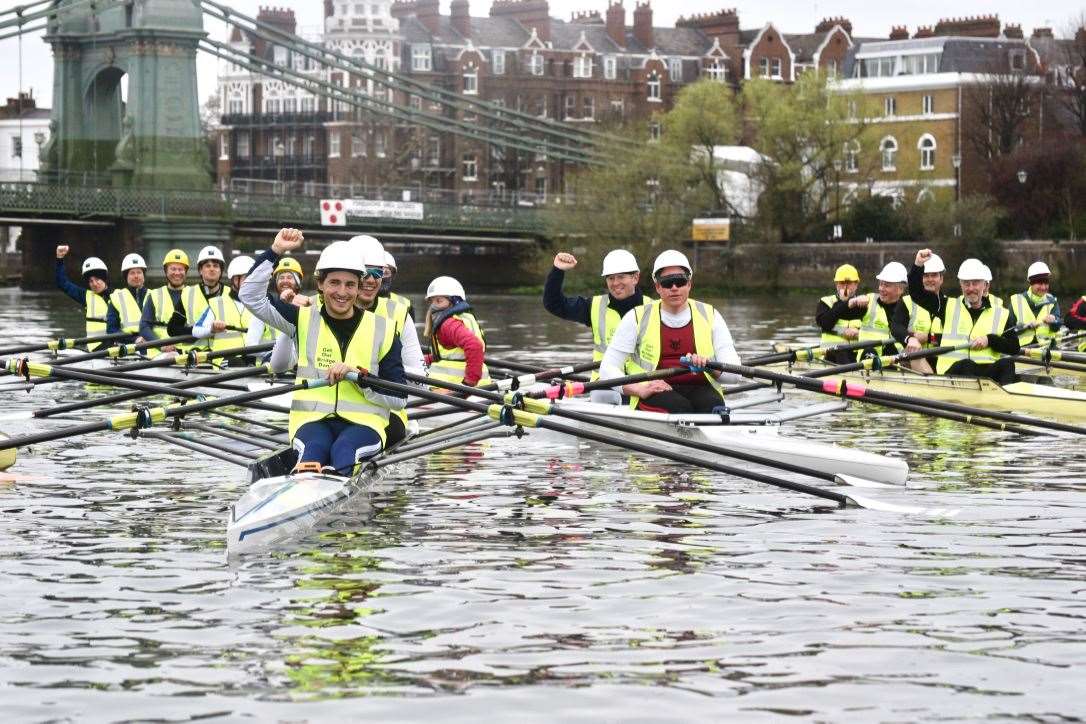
{"type": "Point", "coordinates": [373, 271]}
{"type": "Point", "coordinates": [673, 280]}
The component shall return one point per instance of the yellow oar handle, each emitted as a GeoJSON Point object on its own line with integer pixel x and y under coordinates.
{"type": "Point", "coordinates": [512, 416]}
{"type": "Point", "coordinates": [141, 418]}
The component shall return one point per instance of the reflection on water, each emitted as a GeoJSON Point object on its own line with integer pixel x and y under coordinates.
{"type": "Point", "coordinates": [479, 582]}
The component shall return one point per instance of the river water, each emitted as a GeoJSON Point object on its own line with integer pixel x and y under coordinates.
{"type": "Point", "coordinates": [537, 580]}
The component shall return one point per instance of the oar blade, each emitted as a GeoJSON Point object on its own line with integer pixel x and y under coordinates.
{"type": "Point", "coordinates": [859, 501]}
{"type": "Point", "coordinates": [857, 482]}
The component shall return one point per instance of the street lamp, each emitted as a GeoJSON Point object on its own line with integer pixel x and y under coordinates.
{"type": "Point", "coordinates": [1022, 176]}
{"type": "Point", "coordinates": [956, 160]}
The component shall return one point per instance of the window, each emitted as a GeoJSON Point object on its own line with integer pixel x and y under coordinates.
{"type": "Point", "coordinates": [292, 146]}
{"type": "Point", "coordinates": [224, 147]}
{"type": "Point", "coordinates": [358, 146]}
{"type": "Point", "coordinates": [832, 70]}
{"type": "Point", "coordinates": [277, 147]}
{"type": "Point", "coordinates": [379, 144]}
{"type": "Point", "coordinates": [889, 106]}
{"type": "Point", "coordinates": [271, 106]}
{"type": "Point", "coordinates": [535, 64]}
{"type": "Point", "coordinates": [763, 67]}
{"type": "Point", "coordinates": [542, 105]}
{"type": "Point", "coordinates": [928, 105]}
{"type": "Point", "coordinates": [1018, 59]}
{"type": "Point", "coordinates": [471, 82]}
{"type": "Point", "coordinates": [654, 130]}
{"type": "Point", "coordinates": [582, 66]}
{"type": "Point", "coordinates": [610, 67]}
{"type": "Point", "coordinates": [716, 71]}
{"type": "Point", "coordinates": [16, 146]}
{"type": "Point", "coordinates": [775, 68]}
{"type": "Point", "coordinates": [618, 107]}
{"type": "Point", "coordinates": [571, 106]}
{"type": "Point", "coordinates": [589, 105]}
{"type": "Point", "coordinates": [415, 102]}
{"type": "Point", "coordinates": [852, 156]}
{"type": "Point", "coordinates": [471, 167]}
{"type": "Point", "coordinates": [243, 144]}
{"type": "Point", "coordinates": [675, 70]}
{"type": "Point", "coordinates": [889, 153]}
{"type": "Point", "coordinates": [309, 146]}
{"type": "Point", "coordinates": [235, 105]}
{"type": "Point", "coordinates": [420, 57]}
{"type": "Point", "coordinates": [927, 152]}
{"type": "Point", "coordinates": [541, 187]}
{"type": "Point", "coordinates": [498, 63]}
{"type": "Point", "coordinates": [654, 87]}
{"type": "Point", "coordinates": [290, 105]}
{"type": "Point", "coordinates": [333, 144]}
{"type": "Point", "coordinates": [280, 55]}
{"type": "Point", "coordinates": [435, 151]}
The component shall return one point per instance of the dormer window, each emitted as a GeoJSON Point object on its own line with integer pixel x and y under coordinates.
{"type": "Point", "coordinates": [1018, 60]}
{"type": "Point", "coordinates": [716, 71]}
{"type": "Point", "coordinates": [421, 58]}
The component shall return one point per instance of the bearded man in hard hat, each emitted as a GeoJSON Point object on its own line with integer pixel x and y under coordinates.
{"type": "Point", "coordinates": [162, 306]}
{"type": "Point", "coordinates": [973, 319]}
{"type": "Point", "coordinates": [1037, 306]}
{"type": "Point", "coordinates": [659, 334]}
{"type": "Point", "coordinates": [336, 426]}
{"type": "Point", "coordinates": [602, 312]}
{"type": "Point", "coordinates": [835, 315]}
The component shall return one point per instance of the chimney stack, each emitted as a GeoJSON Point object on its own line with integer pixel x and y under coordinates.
{"type": "Point", "coordinates": [529, 13]}
{"type": "Point", "coordinates": [643, 25]}
{"type": "Point", "coordinates": [616, 23]}
{"type": "Point", "coordinates": [1042, 32]}
{"type": "Point", "coordinates": [899, 32]}
{"type": "Point", "coordinates": [460, 17]}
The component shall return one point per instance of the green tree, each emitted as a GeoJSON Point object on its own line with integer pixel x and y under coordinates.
{"type": "Point", "coordinates": [803, 131]}
{"type": "Point", "coordinates": [704, 116]}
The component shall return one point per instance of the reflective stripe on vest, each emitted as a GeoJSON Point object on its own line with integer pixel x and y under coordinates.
{"type": "Point", "coordinates": [128, 309]}
{"type": "Point", "coordinates": [1023, 310]}
{"type": "Point", "coordinates": [318, 349]}
{"type": "Point", "coordinates": [96, 310]}
{"type": "Point", "coordinates": [919, 321]}
{"type": "Point", "coordinates": [646, 354]}
{"type": "Point", "coordinates": [226, 309]}
{"type": "Point", "coordinates": [451, 362]}
{"type": "Point", "coordinates": [837, 335]}
{"type": "Point", "coordinates": [163, 305]}
{"type": "Point", "coordinates": [195, 303]}
{"type": "Point", "coordinates": [395, 311]}
{"type": "Point", "coordinates": [960, 329]}
{"type": "Point", "coordinates": [605, 321]}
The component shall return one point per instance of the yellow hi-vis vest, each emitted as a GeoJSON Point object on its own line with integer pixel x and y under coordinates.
{"type": "Point", "coordinates": [646, 354]}
{"type": "Point", "coordinates": [919, 321]}
{"type": "Point", "coordinates": [401, 300]}
{"type": "Point", "coordinates": [195, 304]}
{"type": "Point", "coordinates": [318, 350]}
{"type": "Point", "coordinates": [450, 362]}
{"type": "Point", "coordinates": [605, 321]}
{"type": "Point", "coordinates": [958, 328]}
{"type": "Point", "coordinates": [1024, 312]}
{"type": "Point", "coordinates": [96, 310]}
{"type": "Point", "coordinates": [162, 303]}
{"type": "Point", "coordinates": [835, 337]}
{"type": "Point", "coordinates": [226, 309]}
{"type": "Point", "coordinates": [874, 324]}
{"type": "Point", "coordinates": [128, 309]}
{"type": "Point", "coordinates": [396, 313]}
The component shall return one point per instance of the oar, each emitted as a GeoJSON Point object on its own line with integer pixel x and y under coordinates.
{"type": "Point", "coordinates": [512, 416]}
{"type": "Point", "coordinates": [237, 374]}
{"type": "Point", "coordinates": [146, 416]}
{"type": "Point", "coordinates": [1039, 358]}
{"type": "Point", "coordinates": [23, 367]}
{"type": "Point", "coordinates": [542, 407]}
{"type": "Point", "coordinates": [63, 343]}
{"type": "Point", "coordinates": [858, 391]}
{"type": "Point", "coordinates": [528, 379]}
{"type": "Point", "coordinates": [533, 369]}
{"type": "Point", "coordinates": [1047, 355]}
{"type": "Point", "coordinates": [804, 354]}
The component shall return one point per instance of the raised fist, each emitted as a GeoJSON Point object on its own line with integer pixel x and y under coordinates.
{"type": "Point", "coordinates": [287, 240]}
{"type": "Point", "coordinates": [565, 261]}
{"type": "Point", "coordinates": [62, 251]}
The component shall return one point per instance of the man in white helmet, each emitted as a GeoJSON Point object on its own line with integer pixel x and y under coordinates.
{"type": "Point", "coordinates": [602, 312]}
{"type": "Point", "coordinates": [225, 324]}
{"type": "Point", "coordinates": [94, 298]}
{"type": "Point", "coordinates": [195, 299]}
{"type": "Point", "coordinates": [1037, 306]}
{"type": "Point", "coordinates": [885, 314]}
{"type": "Point", "coordinates": [658, 334]}
{"type": "Point", "coordinates": [126, 303]}
{"type": "Point", "coordinates": [972, 318]}
{"type": "Point", "coordinates": [337, 426]}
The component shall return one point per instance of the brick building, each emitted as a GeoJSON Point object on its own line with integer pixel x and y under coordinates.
{"type": "Point", "coordinates": [585, 72]}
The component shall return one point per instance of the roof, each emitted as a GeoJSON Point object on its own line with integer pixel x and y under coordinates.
{"type": "Point", "coordinates": [805, 45]}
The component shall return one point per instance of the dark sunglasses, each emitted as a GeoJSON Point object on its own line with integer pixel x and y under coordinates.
{"type": "Point", "coordinates": [673, 280]}
{"type": "Point", "coordinates": [374, 271]}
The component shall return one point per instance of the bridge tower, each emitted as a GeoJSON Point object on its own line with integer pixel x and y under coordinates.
{"type": "Point", "coordinates": [154, 140]}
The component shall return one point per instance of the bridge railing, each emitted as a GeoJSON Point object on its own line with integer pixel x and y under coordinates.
{"type": "Point", "coordinates": [240, 208]}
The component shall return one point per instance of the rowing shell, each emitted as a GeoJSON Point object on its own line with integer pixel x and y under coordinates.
{"type": "Point", "coordinates": [763, 440]}
{"type": "Point", "coordinates": [279, 508]}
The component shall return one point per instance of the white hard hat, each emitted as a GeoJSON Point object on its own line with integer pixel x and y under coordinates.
{"type": "Point", "coordinates": [671, 257]}
{"type": "Point", "coordinates": [341, 255]}
{"type": "Point", "coordinates": [934, 265]}
{"type": "Point", "coordinates": [619, 261]}
{"type": "Point", "coordinates": [893, 272]}
{"type": "Point", "coordinates": [210, 253]}
{"type": "Point", "coordinates": [239, 266]}
{"type": "Point", "coordinates": [1036, 269]}
{"type": "Point", "coordinates": [390, 261]}
{"type": "Point", "coordinates": [973, 269]}
{"type": "Point", "coordinates": [445, 287]}
{"type": "Point", "coordinates": [93, 263]}
{"type": "Point", "coordinates": [133, 261]}
{"type": "Point", "coordinates": [366, 241]}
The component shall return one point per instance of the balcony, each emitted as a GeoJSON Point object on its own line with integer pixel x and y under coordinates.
{"type": "Point", "coordinates": [265, 120]}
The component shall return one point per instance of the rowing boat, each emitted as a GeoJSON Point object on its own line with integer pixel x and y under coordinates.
{"type": "Point", "coordinates": [755, 433]}
{"type": "Point", "coordinates": [1047, 401]}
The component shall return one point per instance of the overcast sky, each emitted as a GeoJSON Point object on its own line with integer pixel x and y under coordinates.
{"type": "Point", "coordinates": [872, 19]}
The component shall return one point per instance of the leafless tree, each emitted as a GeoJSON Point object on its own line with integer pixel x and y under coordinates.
{"type": "Point", "coordinates": [1070, 78]}
{"type": "Point", "coordinates": [1001, 109]}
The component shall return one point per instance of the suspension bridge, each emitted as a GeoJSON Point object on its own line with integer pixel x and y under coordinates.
{"type": "Point", "coordinates": [119, 175]}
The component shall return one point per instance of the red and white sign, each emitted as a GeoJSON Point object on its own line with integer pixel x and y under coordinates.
{"type": "Point", "coordinates": [333, 213]}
